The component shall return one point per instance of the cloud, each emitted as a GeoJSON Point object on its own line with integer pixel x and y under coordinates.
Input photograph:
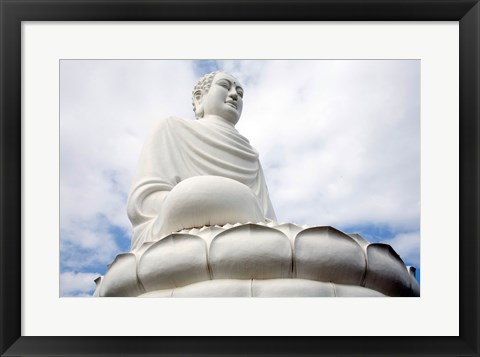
{"type": "Point", "coordinates": [339, 140]}
{"type": "Point", "coordinates": [407, 245]}
{"type": "Point", "coordinates": [87, 244]}
{"type": "Point", "coordinates": [77, 284]}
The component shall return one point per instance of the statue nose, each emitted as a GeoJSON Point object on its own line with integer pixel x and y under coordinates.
{"type": "Point", "coordinates": [232, 93]}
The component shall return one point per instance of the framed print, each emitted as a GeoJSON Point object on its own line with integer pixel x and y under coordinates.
{"type": "Point", "coordinates": [289, 137]}
{"type": "Point", "coordinates": [43, 42]}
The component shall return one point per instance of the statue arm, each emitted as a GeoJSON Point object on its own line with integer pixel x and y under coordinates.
{"type": "Point", "coordinates": [152, 182]}
{"type": "Point", "coordinates": [141, 209]}
{"type": "Point", "coordinates": [267, 203]}
{"type": "Point", "coordinates": [144, 205]}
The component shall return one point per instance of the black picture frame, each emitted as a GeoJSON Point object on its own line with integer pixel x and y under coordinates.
{"type": "Point", "coordinates": [13, 12]}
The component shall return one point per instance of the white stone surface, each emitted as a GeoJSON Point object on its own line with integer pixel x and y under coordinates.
{"type": "Point", "coordinates": [201, 201]}
{"type": "Point", "coordinates": [326, 254]}
{"type": "Point", "coordinates": [386, 271]}
{"type": "Point", "coordinates": [177, 260]}
{"type": "Point", "coordinates": [228, 257]}
{"type": "Point", "coordinates": [216, 288]}
{"type": "Point", "coordinates": [250, 251]}
{"type": "Point", "coordinates": [121, 278]}
{"type": "Point", "coordinates": [265, 288]}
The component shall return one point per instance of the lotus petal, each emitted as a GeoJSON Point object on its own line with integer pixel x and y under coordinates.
{"type": "Point", "coordinates": [138, 251]}
{"type": "Point", "coordinates": [326, 254]}
{"type": "Point", "coordinates": [414, 283]}
{"type": "Point", "coordinates": [250, 251]}
{"type": "Point", "coordinates": [208, 234]}
{"type": "Point", "coordinates": [386, 271]}
{"type": "Point", "coordinates": [412, 271]}
{"type": "Point", "coordinates": [176, 260]}
{"type": "Point", "coordinates": [291, 288]}
{"type": "Point", "coordinates": [290, 230]}
{"type": "Point", "coordinates": [121, 277]}
{"type": "Point", "coordinates": [216, 288]}
{"type": "Point", "coordinates": [98, 283]}
{"type": "Point", "coordinates": [359, 239]}
{"type": "Point", "coordinates": [158, 293]}
{"type": "Point", "coordinates": [355, 291]}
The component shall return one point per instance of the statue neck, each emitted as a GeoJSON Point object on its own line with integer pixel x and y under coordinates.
{"type": "Point", "coordinates": [217, 120]}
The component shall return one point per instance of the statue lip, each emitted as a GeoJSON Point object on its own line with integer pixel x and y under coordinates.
{"type": "Point", "coordinates": [231, 103]}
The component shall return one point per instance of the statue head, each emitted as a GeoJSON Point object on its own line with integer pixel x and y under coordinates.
{"type": "Point", "coordinates": [218, 94]}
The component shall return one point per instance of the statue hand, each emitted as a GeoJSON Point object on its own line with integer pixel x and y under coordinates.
{"type": "Point", "coordinates": [205, 201]}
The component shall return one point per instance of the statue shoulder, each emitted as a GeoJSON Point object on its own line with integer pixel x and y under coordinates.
{"type": "Point", "coordinates": [173, 122]}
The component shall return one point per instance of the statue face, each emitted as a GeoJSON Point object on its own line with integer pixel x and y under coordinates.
{"type": "Point", "coordinates": [224, 99]}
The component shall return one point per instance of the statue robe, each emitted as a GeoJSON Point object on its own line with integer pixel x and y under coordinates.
{"type": "Point", "coordinates": [178, 149]}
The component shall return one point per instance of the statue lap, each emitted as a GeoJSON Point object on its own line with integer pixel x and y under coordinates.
{"type": "Point", "coordinates": [207, 201]}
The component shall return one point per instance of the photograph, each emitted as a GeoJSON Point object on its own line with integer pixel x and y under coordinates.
{"type": "Point", "coordinates": [239, 178]}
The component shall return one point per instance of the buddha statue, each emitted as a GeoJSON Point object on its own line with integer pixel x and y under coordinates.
{"type": "Point", "coordinates": [199, 173]}
{"type": "Point", "coordinates": [204, 225]}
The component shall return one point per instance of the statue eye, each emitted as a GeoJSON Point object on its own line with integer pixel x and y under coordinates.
{"type": "Point", "coordinates": [240, 91]}
{"type": "Point", "coordinates": [224, 84]}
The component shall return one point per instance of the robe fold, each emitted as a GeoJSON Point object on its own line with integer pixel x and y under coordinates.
{"type": "Point", "coordinates": [178, 149]}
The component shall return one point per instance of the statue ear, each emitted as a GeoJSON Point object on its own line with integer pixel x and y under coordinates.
{"type": "Point", "coordinates": [197, 98]}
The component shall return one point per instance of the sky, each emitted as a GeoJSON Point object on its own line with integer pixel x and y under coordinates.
{"type": "Point", "coordinates": [339, 142]}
